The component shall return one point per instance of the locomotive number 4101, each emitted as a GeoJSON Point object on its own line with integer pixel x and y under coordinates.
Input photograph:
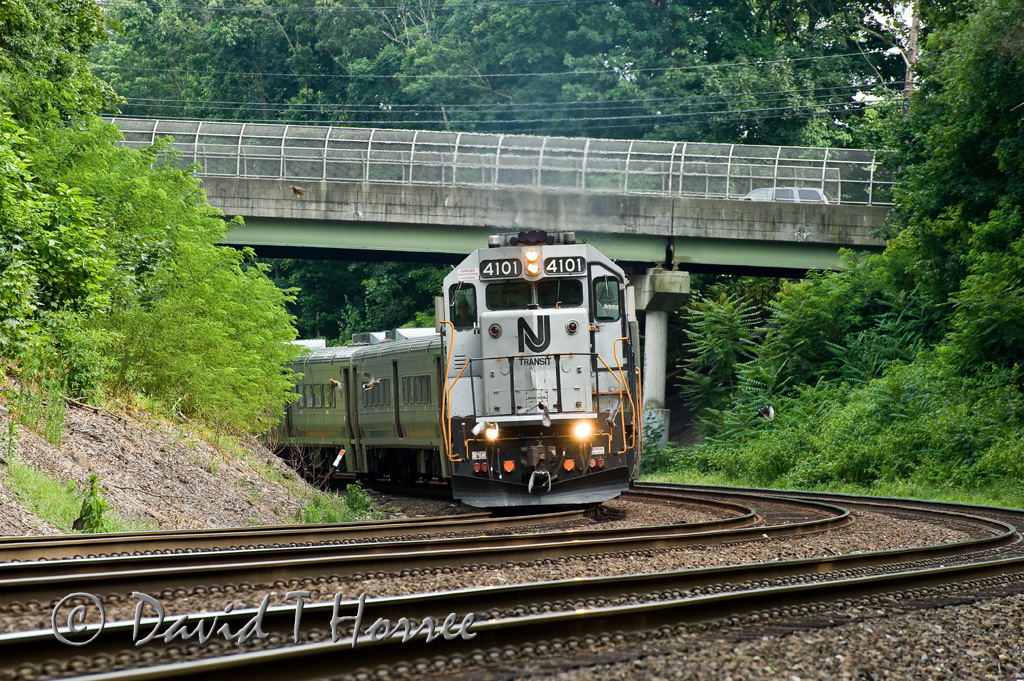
{"type": "Point", "coordinates": [567, 265]}
{"type": "Point", "coordinates": [496, 269]}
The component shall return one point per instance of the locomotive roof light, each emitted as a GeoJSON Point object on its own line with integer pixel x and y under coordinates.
{"type": "Point", "coordinates": [583, 430]}
{"type": "Point", "coordinates": [492, 431]}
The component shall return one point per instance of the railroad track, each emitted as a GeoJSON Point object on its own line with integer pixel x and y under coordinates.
{"type": "Point", "coordinates": [540, 618]}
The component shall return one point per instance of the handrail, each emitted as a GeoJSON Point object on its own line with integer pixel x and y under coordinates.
{"type": "Point", "coordinates": [628, 394]}
{"type": "Point", "coordinates": [622, 416]}
{"type": "Point", "coordinates": [445, 415]}
{"type": "Point", "coordinates": [448, 416]}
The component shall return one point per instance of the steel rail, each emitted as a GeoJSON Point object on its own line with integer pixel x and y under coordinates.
{"type": "Point", "coordinates": [685, 490]}
{"type": "Point", "coordinates": [39, 647]}
{"type": "Point", "coordinates": [71, 566]}
{"type": "Point", "coordinates": [28, 586]}
{"type": "Point", "coordinates": [550, 630]}
{"type": "Point", "coordinates": [177, 541]}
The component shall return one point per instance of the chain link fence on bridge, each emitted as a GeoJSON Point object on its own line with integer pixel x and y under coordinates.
{"type": "Point", "coordinates": [689, 169]}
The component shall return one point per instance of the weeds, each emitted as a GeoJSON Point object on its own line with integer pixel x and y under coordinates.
{"type": "Point", "coordinates": [91, 518]}
{"type": "Point", "coordinates": [328, 508]}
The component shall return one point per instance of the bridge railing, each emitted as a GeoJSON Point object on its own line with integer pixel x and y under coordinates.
{"type": "Point", "coordinates": [691, 169]}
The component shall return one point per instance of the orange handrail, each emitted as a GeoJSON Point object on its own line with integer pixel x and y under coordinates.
{"type": "Point", "coordinates": [628, 394]}
{"type": "Point", "coordinates": [448, 404]}
{"type": "Point", "coordinates": [445, 409]}
{"type": "Point", "coordinates": [623, 419]}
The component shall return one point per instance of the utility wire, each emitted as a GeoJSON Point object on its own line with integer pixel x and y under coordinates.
{"type": "Point", "coordinates": [580, 119]}
{"type": "Point", "coordinates": [305, 9]}
{"type": "Point", "coordinates": [495, 106]}
{"type": "Point", "coordinates": [450, 76]}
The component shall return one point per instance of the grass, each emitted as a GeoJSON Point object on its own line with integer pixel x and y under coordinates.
{"type": "Point", "coordinates": [54, 502]}
{"type": "Point", "coordinates": [999, 492]}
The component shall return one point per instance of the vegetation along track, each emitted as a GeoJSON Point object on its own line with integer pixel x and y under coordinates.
{"type": "Point", "coordinates": [514, 620]}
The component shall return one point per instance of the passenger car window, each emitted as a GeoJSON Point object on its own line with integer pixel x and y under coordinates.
{"type": "Point", "coordinates": [560, 293]}
{"type": "Point", "coordinates": [810, 196]}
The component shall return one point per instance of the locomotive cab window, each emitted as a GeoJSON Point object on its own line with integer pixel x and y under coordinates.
{"type": "Point", "coordinates": [560, 293]}
{"type": "Point", "coordinates": [462, 301]}
{"type": "Point", "coordinates": [514, 295]}
{"type": "Point", "coordinates": [606, 299]}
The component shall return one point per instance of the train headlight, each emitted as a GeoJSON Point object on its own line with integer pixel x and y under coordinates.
{"type": "Point", "coordinates": [492, 431]}
{"type": "Point", "coordinates": [532, 256]}
{"type": "Point", "coordinates": [583, 430]}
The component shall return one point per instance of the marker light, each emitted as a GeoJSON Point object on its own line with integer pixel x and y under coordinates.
{"type": "Point", "coordinates": [569, 464]}
{"type": "Point", "coordinates": [572, 327]}
{"type": "Point", "coordinates": [492, 431]}
{"type": "Point", "coordinates": [583, 430]}
{"type": "Point", "coordinates": [494, 330]}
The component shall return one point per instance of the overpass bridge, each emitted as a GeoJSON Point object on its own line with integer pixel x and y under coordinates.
{"type": "Point", "coordinates": [438, 195]}
{"type": "Point", "coordinates": [419, 194]}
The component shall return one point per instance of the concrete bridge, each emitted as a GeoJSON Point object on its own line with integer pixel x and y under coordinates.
{"type": "Point", "coordinates": [369, 193]}
{"type": "Point", "coordinates": [438, 195]}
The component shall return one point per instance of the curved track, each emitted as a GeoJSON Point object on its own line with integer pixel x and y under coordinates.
{"type": "Point", "coordinates": [539, 618]}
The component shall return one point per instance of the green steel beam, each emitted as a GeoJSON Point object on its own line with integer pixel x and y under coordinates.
{"type": "Point", "coordinates": [377, 240]}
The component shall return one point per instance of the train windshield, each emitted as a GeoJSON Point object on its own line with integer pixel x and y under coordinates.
{"type": "Point", "coordinates": [560, 293]}
{"type": "Point", "coordinates": [513, 295]}
{"type": "Point", "coordinates": [520, 295]}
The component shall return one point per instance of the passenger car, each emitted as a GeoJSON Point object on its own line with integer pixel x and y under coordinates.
{"type": "Point", "coordinates": [788, 195]}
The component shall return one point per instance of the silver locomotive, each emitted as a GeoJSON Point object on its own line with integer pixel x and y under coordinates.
{"type": "Point", "coordinates": [526, 394]}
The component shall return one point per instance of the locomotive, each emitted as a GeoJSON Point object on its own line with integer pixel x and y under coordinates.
{"type": "Point", "coordinates": [526, 392]}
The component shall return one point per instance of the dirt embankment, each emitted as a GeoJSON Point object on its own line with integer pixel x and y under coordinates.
{"type": "Point", "coordinates": [156, 473]}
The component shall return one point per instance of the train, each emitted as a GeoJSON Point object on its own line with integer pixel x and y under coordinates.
{"type": "Point", "coordinates": [525, 393]}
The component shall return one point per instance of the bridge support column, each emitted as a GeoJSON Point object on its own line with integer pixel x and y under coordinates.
{"type": "Point", "coordinates": [658, 292]}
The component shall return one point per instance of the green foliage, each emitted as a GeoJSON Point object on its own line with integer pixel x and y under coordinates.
{"type": "Point", "coordinates": [922, 423]}
{"type": "Point", "coordinates": [357, 501]}
{"type": "Point", "coordinates": [43, 70]}
{"type": "Point", "coordinates": [720, 330]}
{"type": "Point", "coordinates": [329, 508]}
{"type": "Point", "coordinates": [94, 507]}
{"type": "Point", "coordinates": [334, 300]}
{"type": "Point", "coordinates": [760, 72]}
{"type": "Point", "coordinates": [10, 441]}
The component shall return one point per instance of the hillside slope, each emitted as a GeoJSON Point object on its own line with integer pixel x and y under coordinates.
{"type": "Point", "coordinates": [152, 473]}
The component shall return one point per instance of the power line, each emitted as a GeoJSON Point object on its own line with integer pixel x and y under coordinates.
{"type": "Point", "coordinates": [495, 106]}
{"type": "Point", "coordinates": [265, 9]}
{"type": "Point", "coordinates": [577, 119]}
{"type": "Point", "coordinates": [518, 127]}
{"type": "Point", "coordinates": [448, 76]}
